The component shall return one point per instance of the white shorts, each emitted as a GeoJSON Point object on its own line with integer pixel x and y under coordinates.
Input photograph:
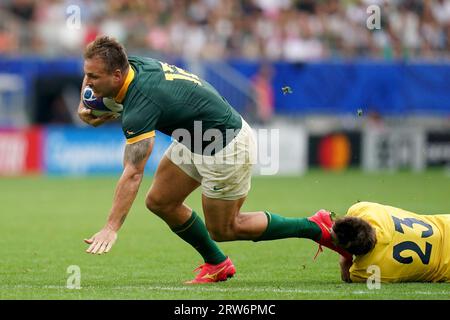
{"type": "Point", "coordinates": [225, 175]}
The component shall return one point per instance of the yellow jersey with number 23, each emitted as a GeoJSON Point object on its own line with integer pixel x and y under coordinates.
{"type": "Point", "coordinates": [410, 247]}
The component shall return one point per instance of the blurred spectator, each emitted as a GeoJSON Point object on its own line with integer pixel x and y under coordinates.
{"type": "Point", "coordinates": [8, 43]}
{"type": "Point", "coordinates": [264, 95]}
{"type": "Point", "coordinates": [293, 30]}
{"type": "Point", "coordinates": [22, 9]}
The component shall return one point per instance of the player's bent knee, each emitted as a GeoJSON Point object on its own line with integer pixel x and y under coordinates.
{"type": "Point", "coordinates": [156, 204]}
{"type": "Point", "coordinates": [149, 204]}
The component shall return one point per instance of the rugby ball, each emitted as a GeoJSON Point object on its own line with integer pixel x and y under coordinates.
{"type": "Point", "coordinates": [100, 105]}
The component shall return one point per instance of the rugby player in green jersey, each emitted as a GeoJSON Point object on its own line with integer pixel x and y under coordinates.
{"type": "Point", "coordinates": [213, 148]}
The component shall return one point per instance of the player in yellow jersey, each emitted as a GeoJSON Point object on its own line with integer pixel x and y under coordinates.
{"type": "Point", "coordinates": [405, 246]}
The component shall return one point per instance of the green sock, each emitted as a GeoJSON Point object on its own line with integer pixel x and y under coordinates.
{"type": "Point", "coordinates": [279, 227]}
{"type": "Point", "coordinates": [195, 233]}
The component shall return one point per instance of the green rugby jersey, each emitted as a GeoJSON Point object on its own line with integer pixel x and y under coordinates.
{"type": "Point", "coordinates": [159, 96]}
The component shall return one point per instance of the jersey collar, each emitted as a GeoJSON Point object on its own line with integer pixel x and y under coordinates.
{"type": "Point", "coordinates": [121, 95]}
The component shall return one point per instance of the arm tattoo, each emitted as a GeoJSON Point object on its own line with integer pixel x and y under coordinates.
{"type": "Point", "coordinates": [136, 152]}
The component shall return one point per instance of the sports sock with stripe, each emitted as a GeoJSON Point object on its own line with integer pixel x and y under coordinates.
{"type": "Point", "coordinates": [279, 227]}
{"type": "Point", "coordinates": [195, 233]}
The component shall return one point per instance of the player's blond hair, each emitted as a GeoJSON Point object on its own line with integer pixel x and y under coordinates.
{"type": "Point", "coordinates": [110, 51]}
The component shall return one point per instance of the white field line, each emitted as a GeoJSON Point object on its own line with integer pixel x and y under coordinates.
{"type": "Point", "coordinates": [197, 288]}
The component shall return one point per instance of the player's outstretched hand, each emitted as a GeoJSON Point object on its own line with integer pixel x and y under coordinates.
{"type": "Point", "coordinates": [102, 241]}
{"type": "Point", "coordinates": [86, 115]}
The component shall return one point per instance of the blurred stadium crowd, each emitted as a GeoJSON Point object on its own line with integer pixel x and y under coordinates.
{"type": "Point", "coordinates": [290, 30]}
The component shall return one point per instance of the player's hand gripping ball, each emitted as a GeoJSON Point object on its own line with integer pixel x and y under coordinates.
{"type": "Point", "coordinates": [100, 105]}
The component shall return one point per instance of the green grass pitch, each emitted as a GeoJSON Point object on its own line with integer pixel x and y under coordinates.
{"type": "Point", "coordinates": [44, 221]}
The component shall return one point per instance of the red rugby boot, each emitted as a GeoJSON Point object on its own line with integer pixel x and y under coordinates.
{"type": "Point", "coordinates": [214, 272]}
{"type": "Point", "coordinates": [323, 219]}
